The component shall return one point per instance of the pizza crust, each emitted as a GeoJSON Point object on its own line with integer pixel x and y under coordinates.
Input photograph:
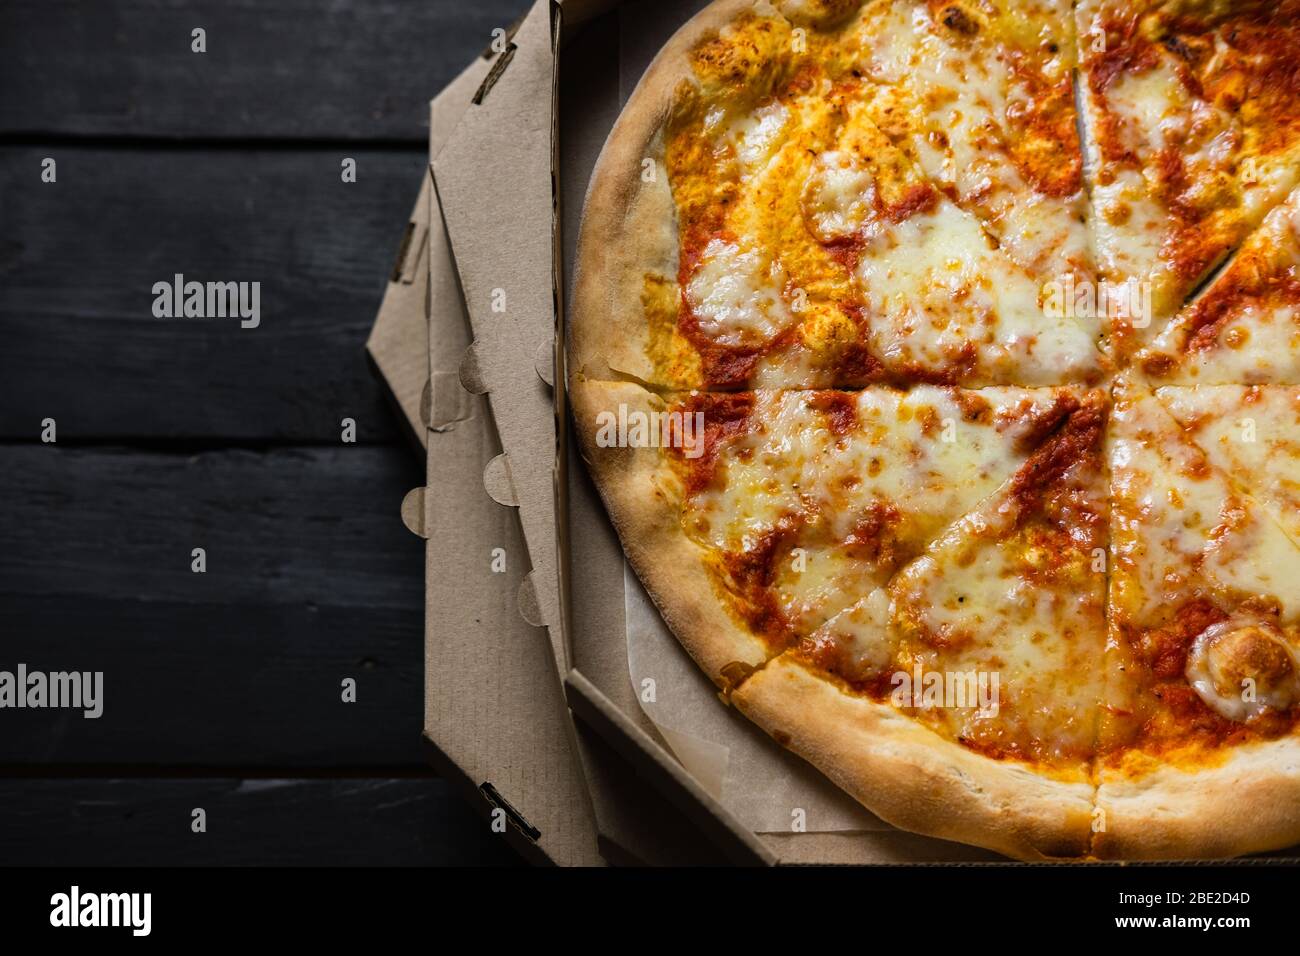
{"type": "Point", "coordinates": [1247, 804]}
{"type": "Point", "coordinates": [913, 778]}
{"type": "Point", "coordinates": [643, 498]}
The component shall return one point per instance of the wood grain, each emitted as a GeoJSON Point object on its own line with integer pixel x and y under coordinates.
{"type": "Point", "coordinates": [311, 578]}
{"type": "Point", "coordinates": [352, 70]}
{"type": "Point", "coordinates": [264, 822]}
{"type": "Point", "coordinates": [79, 259]}
{"type": "Point", "coordinates": [291, 526]}
{"type": "Point", "coordinates": [175, 434]}
{"type": "Point", "coordinates": [218, 685]}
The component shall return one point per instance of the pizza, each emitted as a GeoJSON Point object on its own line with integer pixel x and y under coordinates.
{"type": "Point", "coordinates": [1243, 327]}
{"type": "Point", "coordinates": [1194, 109]}
{"type": "Point", "coordinates": [938, 363]}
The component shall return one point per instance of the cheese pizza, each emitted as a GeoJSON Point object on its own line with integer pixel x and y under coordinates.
{"type": "Point", "coordinates": [897, 355]}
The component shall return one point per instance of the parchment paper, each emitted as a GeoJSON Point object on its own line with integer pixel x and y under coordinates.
{"type": "Point", "coordinates": [753, 776]}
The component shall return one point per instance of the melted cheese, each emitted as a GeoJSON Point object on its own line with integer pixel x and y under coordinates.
{"type": "Point", "coordinates": [839, 196]}
{"type": "Point", "coordinates": [1143, 113]}
{"type": "Point", "coordinates": [1015, 595]}
{"type": "Point", "coordinates": [862, 502]}
{"type": "Point", "coordinates": [754, 136]}
{"type": "Point", "coordinates": [1251, 433]}
{"type": "Point", "coordinates": [801, 215]}
{"type": "Point", "coordinates": [987, 112]}
{"type": "Point", "coordinates": [1192, 145]}
{"type": "Point", "coordinates": [864, 636]}
{"type": "Point", "coordinates": [1180, 528]}
{"type": "Point", "coordinates": [940, 299]}
{"type": "Point", "coordinates": [818, 13]}
{"type": "Point", "coordinates": [939, 290]}
{"type": "Point", "coordinates": [1246, 326]}
{"type": "Point", "coordinates": [736, 295]}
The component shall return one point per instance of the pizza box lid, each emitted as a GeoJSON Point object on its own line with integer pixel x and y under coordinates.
{"type": "Point", "coordinates": [495, 721]}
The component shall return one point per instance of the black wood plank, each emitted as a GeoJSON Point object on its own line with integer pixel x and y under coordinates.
{"type": "Point", "coordinates": [213, 685]}
{"type": "Point", "coordinates": [311, 578]}
{"type": "Point", "coordinates": [284, 526]}
{"type": "Point", "coordinates": [405, 822]}
{"type": "Point", "coordinates": [79, 259]}
{"type": "Point", "coordinates": [347, 69]}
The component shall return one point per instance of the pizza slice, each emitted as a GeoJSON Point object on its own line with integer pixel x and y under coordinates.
{"type": "Point", "coordinates": [773, 237]}
{"type": "Point", "coordinates": [1203, 658]}
{"type": "Point", "coordinates": [1193, 132]}
{"type": "Point", "coordinates": [981, 97]}
{"type": "Point", "coordinates": [755, 517]}
{"type": "Point", "coordinates": [1251, 432]}
{"type": "Point", "coordinates": [1245, 326]}
{"type": "Point", "coordinates": [975, 669]}
{"type": "Point", "coordinates": [940, 302]}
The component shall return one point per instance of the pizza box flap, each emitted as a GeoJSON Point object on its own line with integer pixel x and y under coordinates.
{"type": "Point", "coordinates": [494, 186]}
{"type": "Point", "coordinates": [495, 720]}
{"type": "Point", "coordinates": [397, 345]}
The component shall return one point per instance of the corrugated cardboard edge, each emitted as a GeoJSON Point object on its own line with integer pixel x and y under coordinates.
{"type": "Point", "coordinates": [397, 347]}
{"type": "Point", "coordinates": [511, 298]}
{"type": "Point", "coordinates": [496, 723]}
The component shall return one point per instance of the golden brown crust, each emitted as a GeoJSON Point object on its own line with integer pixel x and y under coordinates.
{"type": "Point", "coordinates": [644, 500]}
{"type": "Point", "coordinates": [1247, 804]}
{"type": "Point", "coordinates": [910, 776]}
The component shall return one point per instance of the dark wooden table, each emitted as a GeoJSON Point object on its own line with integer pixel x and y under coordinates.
{"type": "Point", "coordinates": [222, 689]}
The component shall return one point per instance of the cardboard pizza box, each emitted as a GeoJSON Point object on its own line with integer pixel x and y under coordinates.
{"type": "Point", "coordinates": [398, 344]}
{"type": "Point", "coordinates": [495, 720]}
